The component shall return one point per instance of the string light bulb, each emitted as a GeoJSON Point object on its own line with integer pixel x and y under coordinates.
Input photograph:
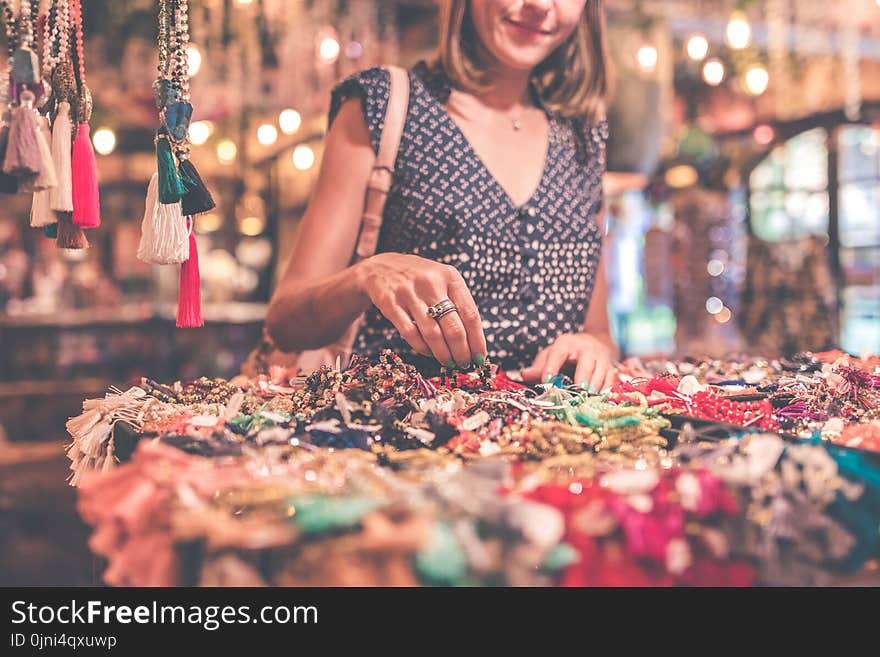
{"type": "Point", "coordinates": [682, 176]}
{"type": "Point", "coordinates": [303, 157]}
{"type": "Point", "coordinates": [713, 72]}
{"type": "Point", "coordinates": [200, 131]}
{"type": "Point", "coordinates": [697, 47]}
{"type": "Point", "coordinates": [226, 151]}
{"type": "Point", "coordinates": [756, 80]}
{"type": "Point", "coordinates": [354, 50]}
{"type": "Point", "coordinates": [290, 121]}
{"type": "Point", "coordinates": [193, 60]}
{"type": "Point", "coordinates": [714, 305]}
{"type": "Point", "coordinates": [104, 141]}
{"type": "Point", "coordinates": [328, 48]}
{"type": "Point", "coordinates": [738, 31]}
{"type": "Point", "coordinates": [208, 222]}
{"type": "Point", "coordinates": [267, 134]}
{"type": "Point", "coordinates": [647, 57]}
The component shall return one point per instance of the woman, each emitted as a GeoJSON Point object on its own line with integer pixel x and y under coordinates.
{"type": "Point", "coordinates": [495, 206]}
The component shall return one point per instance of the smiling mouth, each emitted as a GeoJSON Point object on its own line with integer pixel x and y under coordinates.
{"type": "Point", "coordinates": [528, 28]}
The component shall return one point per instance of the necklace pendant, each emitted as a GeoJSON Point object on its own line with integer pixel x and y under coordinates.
{"type": "Point", "coordinates": [517, 124]}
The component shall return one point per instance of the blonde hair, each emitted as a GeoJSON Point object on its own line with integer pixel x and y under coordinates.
{"type": "Point", "coordinates": [573, 80]}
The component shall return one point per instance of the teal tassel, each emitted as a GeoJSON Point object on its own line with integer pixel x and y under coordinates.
{"type": "Point", "coordinates": [51, 231]}
{"type": "Point", "coordinates": [197, 199]}
{"type": "Point", "coordinates": [561, 556]}
{"type": "Point", "coordinates": [442, 562]}
{"type": "Point", "coordinates": [171, 188]}
{"type": "Point", "coordinates": [322, 513]}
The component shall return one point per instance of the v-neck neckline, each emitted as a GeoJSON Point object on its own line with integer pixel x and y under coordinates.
{"type": "Point", "coordinates": [494, 180]}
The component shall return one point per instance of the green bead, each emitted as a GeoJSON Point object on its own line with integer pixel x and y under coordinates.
{"type": "Point", "coordinates": [480, 360]}
{"type": "Point", "coordinates": [586, 420]}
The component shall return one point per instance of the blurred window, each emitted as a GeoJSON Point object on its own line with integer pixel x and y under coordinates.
{"type": "Point", "coordinates": [859, 227]}
{"type": "Point", "coordinates": [789, 199]}
{"type": "Point", "coordinates": [789, 189]}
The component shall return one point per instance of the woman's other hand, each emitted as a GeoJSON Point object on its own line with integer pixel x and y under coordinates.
{"type": "Point", "coordinates": [403, 286]}
{"type": "Point", "coordinates": [593, 359]}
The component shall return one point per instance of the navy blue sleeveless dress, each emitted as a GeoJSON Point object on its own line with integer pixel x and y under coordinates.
{"type": "Point", "coordinates": [530, 268]}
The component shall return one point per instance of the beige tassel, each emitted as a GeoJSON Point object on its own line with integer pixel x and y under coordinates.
{"type": "Point", "coordinates": [41, 209]}
{"type": "Point", "coordinates": [46, 179]}
{"type": "Point", "coordinates": [62, 195]}
{"type": "Point", "coordinates": [42, 213]}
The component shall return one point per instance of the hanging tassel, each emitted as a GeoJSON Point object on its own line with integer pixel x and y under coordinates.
{"type": "Point", "coordinates": [61, 197]}
{"type": "Point", "coordinates": [171, 188]}
{"type": "Point", "coordinates": [197, 199]}
{"type": "Point", "coordinates": [8, 183]}
{"type": "Point", "coordinates": [47, 179]}
{"type": "Point", "coordinates": [164, 235]}
{"type": "Point", "coordinates": [189, 300]}
{"type": "Point", "coordinates": [70, 236]}
{"type": "Point", "coordinates": [42, 213]}
{"type": "Point", "coordinates": [84, 181]}
{"type": "Point", "coordinates": [23, 150]}
{"type": "Point", "coordinates": [145, 247]}
{"type": "Point", "coordinates": [50, 232]}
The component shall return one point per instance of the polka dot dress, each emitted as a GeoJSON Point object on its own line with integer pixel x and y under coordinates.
{"type": "Point", "coordinates": [530, 268]}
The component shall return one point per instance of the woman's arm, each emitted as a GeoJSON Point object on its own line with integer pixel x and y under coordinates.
{"type": "Point", "coordinates": [299, 315]}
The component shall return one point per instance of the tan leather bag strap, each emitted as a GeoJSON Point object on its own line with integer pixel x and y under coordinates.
{"type": "Point", "coordinates": [383, 171]}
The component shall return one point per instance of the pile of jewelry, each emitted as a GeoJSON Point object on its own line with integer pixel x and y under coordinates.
{"type": "Point", "coordinates": [830, 395]}
{"type": "Point", "coordinates": [376, 475]}
{"type": "Point", "coordinates": [386, 408]}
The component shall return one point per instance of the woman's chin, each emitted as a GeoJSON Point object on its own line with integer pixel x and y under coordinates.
{"type": "Point", "coordinates": [521, 61]}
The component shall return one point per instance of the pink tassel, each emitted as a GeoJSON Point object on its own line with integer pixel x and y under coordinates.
{"type": "Point", "coordinates": [86, 203]}
{"type": "Point", "coordinates": [189, 301]}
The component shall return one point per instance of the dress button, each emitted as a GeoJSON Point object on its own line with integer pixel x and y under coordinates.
{"type": "Point", "coordinates": [532, 212]}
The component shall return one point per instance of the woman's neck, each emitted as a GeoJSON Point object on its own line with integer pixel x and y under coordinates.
{"type": "Point", "coordinates": [507, 90]}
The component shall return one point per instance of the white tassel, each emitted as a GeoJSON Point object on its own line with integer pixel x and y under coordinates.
{"type": "Point", "coordinates": [145, 248]}
{"type": "Point", "coordinates": [82, 424]}
{"type": "Point", "coordinates": [92, 444]}
{"type": "Point", "coordinates": [92, 447]}
{"type": "Point", "coordinates": [109, 458]}
{"type": "Point", "coordinates": [61, 196]}
{"type": "Point", "coordinates": [164, 232]}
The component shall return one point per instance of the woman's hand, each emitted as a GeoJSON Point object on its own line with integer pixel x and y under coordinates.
{"type": "Point", "coordinates": [403, 286]}
{"type": "Point", "coordinates": [593, 357]}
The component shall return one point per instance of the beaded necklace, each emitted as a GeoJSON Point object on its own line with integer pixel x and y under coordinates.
{"type": "Point", "coordinates": [177, 191]}
{"type": "Point", "coordinates": [57, 62]}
